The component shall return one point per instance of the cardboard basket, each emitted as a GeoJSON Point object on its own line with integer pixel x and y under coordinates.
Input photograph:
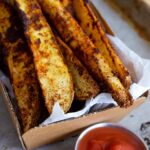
{"type": "Point", "coordinates": [39, 136]}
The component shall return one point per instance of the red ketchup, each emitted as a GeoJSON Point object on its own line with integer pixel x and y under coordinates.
{"type": "Point", "coordinates": [110, 138]}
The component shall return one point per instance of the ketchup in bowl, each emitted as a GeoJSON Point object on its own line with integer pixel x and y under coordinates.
{"type": "Point", "coordinates": [108, 137]}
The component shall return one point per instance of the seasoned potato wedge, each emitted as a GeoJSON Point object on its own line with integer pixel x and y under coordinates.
{"type": "Point", "coordinates": [68, 5]}
{"type": "Point", "coordinates": [84, 85]}
{"type": "Point", "coordinates": [20, 65]}
{"type": "Point", "coordinates": [91, 25]}
{"type": "Point", "coordinates": [54, 77]}
{"type": "Point", "coordinates": [85, 50]}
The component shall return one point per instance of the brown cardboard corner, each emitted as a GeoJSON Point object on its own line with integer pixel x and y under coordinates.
{"type": "Point", "coordinates": [101, 18]}
{"type": "Point", "coordinates": [12, 113]}
{"type": "Point", "coordinates": [43, 135]}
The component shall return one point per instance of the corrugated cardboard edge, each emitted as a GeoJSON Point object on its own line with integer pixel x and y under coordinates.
{"type": "Point", "coordinates": [12, 113]}
{"type": "Point", "coordinates": [55, 131]}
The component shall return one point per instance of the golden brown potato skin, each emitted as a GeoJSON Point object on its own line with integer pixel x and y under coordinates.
{"type": "Point", "coordinates": [19, 61]}
{"type": "Point", "coordinates": [91, 25]}
{"type": "Point", "coordinates": [85, 50]}
{"type": "Point", "coordinates": [54, 77]}
{"type": "Point", "coordinates": [68, 5]}
{"type": "Point", "coordinates": [84, 85]}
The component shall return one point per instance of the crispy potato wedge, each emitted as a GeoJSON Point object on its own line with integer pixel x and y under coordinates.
{"type": "Point", "coordinates": [54, 77]}
{"type": "Point", "coordinates": [85, 50]}
{"type": "Point", "coordinates": [20, 65]}
{"type": "Point", "coordinates": [91, 25]}
{"type": "Point", "coordinates": [84, 85]}
{"type": "Point", "coordinates": [68, 5]}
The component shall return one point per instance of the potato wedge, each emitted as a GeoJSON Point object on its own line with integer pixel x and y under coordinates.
{"type": "Point", "coordinates": [20, 65]}
{"type": "Point", "coordinates": [54, 77]}
{"type": "Point", "coordinates": [91, 25]}
{"type": "Point", "coordinates": [84, 85]}
{"type": "Point", "coordinates": [85, 50]}
{"type": "Point", "coordinates": [68, 5]}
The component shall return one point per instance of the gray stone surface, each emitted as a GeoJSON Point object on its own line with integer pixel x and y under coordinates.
{"type": "Point", "coordinates": [125, 31]}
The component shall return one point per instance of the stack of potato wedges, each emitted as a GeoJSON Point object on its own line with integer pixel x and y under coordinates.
{"type": "Point", "coordinates": [58, 50]}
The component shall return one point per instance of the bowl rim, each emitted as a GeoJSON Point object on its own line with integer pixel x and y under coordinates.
{"type": "Point", "coordinates": [105, 124]}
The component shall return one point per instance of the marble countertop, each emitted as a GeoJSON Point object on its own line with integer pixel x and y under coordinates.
{"type": "Point", "coordinates": [138, 120]}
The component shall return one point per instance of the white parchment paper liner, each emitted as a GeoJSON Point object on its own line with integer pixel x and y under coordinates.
{"type": "Point", "coordinates": [138, 67]}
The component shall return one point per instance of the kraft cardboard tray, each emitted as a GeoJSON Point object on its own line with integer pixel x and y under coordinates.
{"type": "Point", "coordinates": [39, 136]}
